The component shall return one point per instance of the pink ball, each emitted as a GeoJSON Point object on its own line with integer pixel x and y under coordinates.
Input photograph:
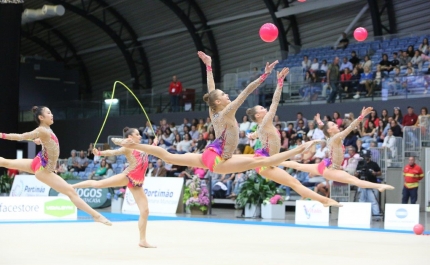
{"type": "Point", "coordinates": [360, 34]}
{"type": "Point", "coordinates": [268, 32]}
{"type": "Point", "coordinates": [418, 229]}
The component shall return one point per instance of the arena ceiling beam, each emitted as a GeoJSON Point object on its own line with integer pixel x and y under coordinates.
{"type": "Point", "coordinates": [45, 32]}
{"type": "Point", "coordinates": [273, 7]}
{"type": "Point", "coordinates": [112, 23]}
{"type": "Point", "coordinates": [47, 47]}
{"type": "Point", "coordinates": [308, 6]}
{"type": "Point", "coordinates": [376, 14]}
{"type": "Point", "coordinates": [189, 12]}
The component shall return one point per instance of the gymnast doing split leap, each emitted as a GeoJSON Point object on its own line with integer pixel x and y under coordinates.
{"type": "Point", "coordinates": [44, 164]}
{"type": "Point", "coordinates": [329, 168]}
{"type": "Point", "coordinates": [218, 156]}
{"type": "Point", "coordinates": [271, 144]}
{"type": "Point", "coordinates": [132, 177]}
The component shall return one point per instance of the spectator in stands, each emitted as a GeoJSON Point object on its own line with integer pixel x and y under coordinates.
{"type": "Point", "coordinates": [168, 137]}
{"type": "Point", "coordinates": [333, 79]}
{"type": "Point", "coordinates": [355, 83]}
{"type": "Point", "coordinates": [354, 59]}
{"type": "Point", "coordinates": [343, 43]}
{"type": "Point", "coordinates": [397, 131]}
{"type": "Point", "coordinates": [337, 119]}
{"type": "Point", "coordinates": [366, 62]}
{"type": "Point", "coordinates": [350, 140]}
{"type": "Point", "coordinates": [300, 118]}
{"type": "Point", "coordinates": [345, 81]}
{"type": "Point", "coordinates": [200, 145]}
{"type": "Point", "coordinates": [359, 150]}
{"type": "Point", "coordinates": [315, 66]}
{"type": "Point", "coordinates": [378, 76]}
{"type": "Point", "coordinates": [373, 117]}
{"type": "Point", "coordinates": [385, 63]}
{"type": "Point", "coordinates": [324, 66]}
{"type": "Point", "coordinates": [397, 116]}
{"type": "Point", "coordinates": [410, 118]}
{"type": "Point", "coordinates": [350, 163]}
{"type": "Point", "coordinates": [194, 133]}
{"type": "Point", "coordinates": [148, 131]}
{"type": "Point", "coordinates": [160, 171]}
{"type": "Point", "coordinates": [184, 146]}
{"type": "Point", "coordinates": [174, 147]}
{"type": "Point", "coordinates": [90, 154]}
{"type": "Point", "coordinates": [321, 152]}
{"type": "Point", "coordinates": [417, 61]}
{"type": "Point", "coordinates": [175, 90]}
{"type": "Point", "coordinates": [301, 129]}
{"type": "Point", "coordinates": [71, 160]}
{"type": "Point", "coordinates": [395, 62]}
{"type": "Point", "coordinates": [384, 117]}
{"type": "Point", "coordinates": [284, 141]}
{"type": "Point", "coordinates": [366, 80]}
{"type": "Point", "coordinates": [410, 51]}
{"type": "Point", "coordinates": [318, 133]}
{"type": "Point", "coordinates": [244, 126]}
{"type": "Point", "coordinates": [346, 64]}
{"type": "Point", "coordinates": [379, 132]}
{"type": "Point", "coordinates": [390, 143]}
{"type": "Point", "coordinates": [150, 170]}
{"type": "Point", "coordinates": [101, 171]}
{"type": "Point", "coordinates": [395, 83]}
{"type": "Point", "coordinates": [387, 126]}
{"type": "Point", "coordinates": [422, 121]}
{"type": "Point", "coordinates": [81, 162]}
{"type": "Point", "coordinates": [424, 46]}
{"type": "Point", "coordinates": [306, 63]}
{"type": "Point", "coordinates": [412, 174]}
{"type": "Point", "coordinates": [369, 170]}
{"type": "Point", "coordinates": [349, 117]}
{"type": "Point", "coordinates": [404, 60]}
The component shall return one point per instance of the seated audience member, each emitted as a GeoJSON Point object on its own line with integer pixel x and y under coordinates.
{"type": "Point", "coordinates": [160, 171]}
{"type": "Point", "coordinates": [71, 160]}
{"type": "Point", "coordinates": [81, 162]}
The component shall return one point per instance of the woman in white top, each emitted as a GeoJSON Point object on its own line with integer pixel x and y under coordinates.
{"type": "Point", "coordinates": [184, 145]}
{"type": "Point", "coordinates": [417, 61]}
{"type": "Point", "coordinates": [367, 62]}
{"type": "Point", "coordinates": [311, 131]}
{"type": "Point", "coordinates": [315, 65]}
{"type": "Point", "coordinates": [424, 46]}
{"type": "Point", "coordinates": [244, 126]}
{"type": "Point", "coordinates": [168, 136]}
{"type": "Point", "coordinates": [324, 66]}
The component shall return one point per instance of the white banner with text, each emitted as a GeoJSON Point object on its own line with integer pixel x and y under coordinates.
{"type": "Point", "coordinates": [401, 216]}
{"type": "Point", "coordinates": [28, 185]}
{"type": "Point", "coordinates": [355, 214]}
{"type": "Point", "coordinates": [311, 213]}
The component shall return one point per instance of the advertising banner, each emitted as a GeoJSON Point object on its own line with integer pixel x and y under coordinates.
{"type": "Point", "coordinates": [401, 216]}
{"type": "Point", "coordinates": [164, 195]}
{"type": "Point", "coordinates": [28, 185]}
{"type": "Point", "coordinates": [355, 214]}
{"type": "Point", "coordinates": [311, 213]}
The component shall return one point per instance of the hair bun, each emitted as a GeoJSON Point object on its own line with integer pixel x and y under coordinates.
{"type": "Point", "coordinates": [34, 109]}
{"type": "Point", "coordinates": [248, 111]}
{"type": "Point", "coordinates": [206, 97]}
{"type": "Point", "coordinates": [126, 129]}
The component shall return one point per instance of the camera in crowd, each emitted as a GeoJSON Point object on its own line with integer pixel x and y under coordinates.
{"type": "Point", "coordinates": [363, 170]}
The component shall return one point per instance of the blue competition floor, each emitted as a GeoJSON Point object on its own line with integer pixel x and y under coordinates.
{"type": "Point", "coordinates": [117, 217]}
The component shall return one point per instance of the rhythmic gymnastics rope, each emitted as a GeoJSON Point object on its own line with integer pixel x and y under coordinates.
{"type": "Point", "coordinates": [107, 114]}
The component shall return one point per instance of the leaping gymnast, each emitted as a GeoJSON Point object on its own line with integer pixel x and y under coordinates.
{"type": "Point", "coordinates": [329, 168]}
{"type": "Point", "coordinates": [271, 144]}
{"type": "Point", "coordinates": [44, 164]}
{"type": "Point", "coordinates": [132, 177]}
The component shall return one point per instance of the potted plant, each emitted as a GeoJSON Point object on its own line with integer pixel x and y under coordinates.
{"type": "Point", "coordinates": [253, 192]}
{"type": "Point", "coordinates": [117, 200]}
{"type": "Point", "coordinates": [273, 207]}
{"type": "Point", "coordinates": [67, 176]}
{"type": "Point", "coordinates": [196, 197]}
{"type": "Point", "coordinates": [6, 182]}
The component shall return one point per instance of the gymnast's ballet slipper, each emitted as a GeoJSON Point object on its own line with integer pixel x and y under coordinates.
{"type": "Point", "coordinates": [144, 244]}
{"type": "Point", "coordinates": [384, 187]}
{"type": "Point", "coordinates": [333, 203]}
{"type": "Point", "coordinates": [103, 220]}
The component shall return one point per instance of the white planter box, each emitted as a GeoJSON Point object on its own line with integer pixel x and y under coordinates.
{"type": "Point", "coordinates": [116, 205]}
{"type": "Point", "coordinates": [252, 211]}
{"type": "Point", "coordinates": [273, 211]}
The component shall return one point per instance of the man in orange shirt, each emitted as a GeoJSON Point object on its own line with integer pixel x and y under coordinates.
{"type": "Point", "coordinates": [175, 90]}
{"type": "Point", "coordinates": [412, 173]}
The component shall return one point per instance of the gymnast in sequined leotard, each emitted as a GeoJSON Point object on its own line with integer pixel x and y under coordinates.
{"type": "Point", "coordinates": [132, 177]}
{"type": "Point", "coordinates": [271, 145]}
{"type": "Point", "coordinates": [218, 156]}
{"type": "Point", "coordinates": [44, 164]}
{"type": "Point", "coordinates": [330, 168]}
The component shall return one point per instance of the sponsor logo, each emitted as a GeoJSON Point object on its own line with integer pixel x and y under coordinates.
{"type": "Point", "coordinates": [309, 210]}
{"type": "Point", "coordinates": [401, 213]}
{"type": "Point", "coordinates": [18, 208]}
{"type": "Point", "coordinates": [20, 188]}
{"type": "Point", "coordinates": [59, 208]}
{"type": "Point", "coordinates": [159, 193]}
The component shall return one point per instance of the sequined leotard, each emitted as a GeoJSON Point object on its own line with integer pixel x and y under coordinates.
{"type": "Point", "coordinates": [138, 163]}
{"type": "Point", "coordinates": [225, 125]}
{"type": "Point", "coordinates": [267, 133]}
{"type": "Point", "coordinates": [47, 158]}
{"type": "Point", "coordinates": [336, 148]}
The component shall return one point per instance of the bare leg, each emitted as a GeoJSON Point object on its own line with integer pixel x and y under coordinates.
{"type": "Point", "coordinates": [142, 202]}
{"type": "Point", "coordinates": [119, 180]}
{"type": "Point", "coordinates": [344, 177]}
{"type": "Point", "coordinates": [280, 176]}
{"type": "Point", "coordinates": [310, 168]}
{"type": "Point", "coordinates": [60, 185]}
{"type": "Point", "coordinates": [187, 159]}
{"type": "Point", "coordinates": [20, 164]}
